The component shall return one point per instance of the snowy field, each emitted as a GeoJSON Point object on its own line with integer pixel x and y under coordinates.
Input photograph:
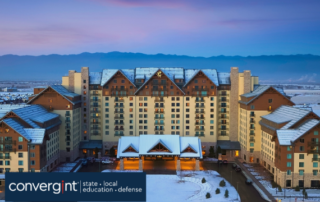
{"type": "Point", "coordinates": [186, 186]}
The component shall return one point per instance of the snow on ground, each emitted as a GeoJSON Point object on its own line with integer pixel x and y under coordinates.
{"type": "Point", "coordinates": [66, 167]}
{"type": "Point", "coordinates": [290, 192]}
{"type": "Point", "coordinates": [187, 186]}
{"type": "Point", "coordinates": [247, 165]}
{"type": "Point", "coordinates": [254, 173]}
{"type": "Point", "coordinates": [120, 171]}
{"type": "Point", "coordinates": [250, 169]}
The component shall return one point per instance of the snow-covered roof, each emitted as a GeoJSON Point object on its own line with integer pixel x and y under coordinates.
{"type": "Point", "coordinates": [286, 114]}
{"type": "Point", "coordinates": [95, 77]}
{"type": "Point", "coordinates": [224, 78]}
{"type": "Point", "coordinates": [258, 90]}
{"type": "Point", "coordinates": [35, 135]}
{"type": "Point", "coordinates": [212, 74]}
{"type": "Point", "coordinates": [45, 117]}
{"type": "Point", "coordinates": [285, 136]}
{"type": "Point", "coordinates": [4, 109]}
{"type": "Point", "coordinates": [107, 74]}
{"type": "Point", "coordinates": [174, 143]}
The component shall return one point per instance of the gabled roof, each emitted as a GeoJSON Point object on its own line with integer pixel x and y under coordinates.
{"type": "Point", "coordinates": [147, 142]}
{"type": "Point", "coordinates": [61, 91]}
{"type": "Point", "coordinates": [259, 90]}
{"type": "Point", "coordinates": [287, 136]}
{"type": "Point", "coordinates": [286, 114]}
{"type": "Point", "coordinates": [4, 109]}
{"type": "Point", "coordinates": [210, 73]}
{"type": "Point", "coordinates": [124, 143]}
{"type": "Point", "coordinates": [161, 143]}
{"type": "Point", "coordinates": [224, 78]}
{"type": "Point", "coordinates": [188, 146]}
{"type": "Point", "coordinates": [35, 135]}
{"type": "Point", "coordinates": [131, 145]}
{"type": "Point", "coordinates": [166, 73]}
{"type": "Point", "coordinates": [107, 74]}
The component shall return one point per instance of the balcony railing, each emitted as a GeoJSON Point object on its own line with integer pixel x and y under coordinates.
{"type": "Point", "coordinates": [5, 157]}
{"type": "Point", "coordinates": [67, 133]}
{"type": "Point", "coordinates": [119, 100]}
{"type": "Point", "coordinates": [225, 128]}
{"type": "Point", "coordinates": [252, 115]}
{"type": "Point", "coordinates": [200, 112]}
{"type": "Point", "coordinates": [159, 117]}
{"type": "Point", "coordinates": [253, 134]}
{"type": "Point", "coordinates": [199, 135]}
{"type": "Point", "coordinates": [159, 93]}
{"type": "Point", "coordinates": [223, 112]}
{"type": "Point", "coordinates": [251, 140]}
{"type": "Point", "coordinates": [119, 106]}
{"type": "Point", "coordinates": [117, 117]}
{"type": "Point", "coordinates": [199, 117]}
{"type": "Point", "coordinates": [95, 117]}
{"type": "Point", "coordinates": [68, 139]}
{"type": "Point", "coordinates": [8, 142]}
{"type": "Point", "coordinates": [117, 134]}
{"type": "Point", "coordinates": [95, 133]}
{"type": "Point", "coordinates": [7, 150]}
{"type": "Point", "coordinates": [223, 94]}
{"type": "Point", "coordinates": [67, 114]}
{"type": "Point", "coordinates": [311, 151]}
{"type": "Point", "coordinates": [199, 129]}
{"type": "Point", "coordinates": [118, 129]}
{"type": "Point", "coordinates": [68, 127]}
{"type": "Point", "coordinates": [96, 122]}
{"type": "Point", "coordinates": [313, 144]}
{"type": "Point", "coordinates": [223, 134]}
{"type": "Point", "coordinates": [199, 124]}
{"type": "Point", "coordinates": [252, 121]}
{"type": "Point", "coordinates": [95, 106]}
{"type": "Point", "coordinates": [118, 123]}
{"type": "Point", "coordinates": [67, 121]}
{"type": "Point", "coordinates": [118, 112]}
{"type": "Point", "coordinates": [159, 112]}
{"type": "Point", "coordinates": [200, 106]}
{"type": "Point", "coordinates": [315, 159]}
{"type": "Point", "coordinates": [93, 110]}
{"type": "Point", "coordinates": [158, 106]}
{"type": "Point", "coordinates": [158, 123]}
{"type": "Point", "coordinates": [159, 129]}
{"type": "Point", "coordinates": [158, 100]}
{"type": "Point", "coordinates": [95, 128]}
{"type": "Point", "coordinates": [223, 100]}
{"type": "Point", "coordinates": [200, 100]}
{"type": "Point", "coordinates": [95, 100]}
{"type": "Point", "coordinates": [95, 93]}
{"type": "Point", "coordinates": [252, 128]}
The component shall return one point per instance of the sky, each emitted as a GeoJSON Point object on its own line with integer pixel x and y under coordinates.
{"type": "Point", "coordinates": [183, 27]}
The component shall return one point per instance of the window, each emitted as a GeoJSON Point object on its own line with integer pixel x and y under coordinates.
{"type": "Point", "coordinates": [289, 156]}
{"type": "Point", "coordinates": [315, 172]}
{"type": "Point", "coordinates": [251, 144]}
{"type": "Point", "coordinates": [20, 170]}
{"type": "Point", "coordinates": [212, 87]}
{"type": "Point", "coordinates": [20, 139]}
{"type": "Point", "coordinates": [315, 164]}
{"type": "Point", "coordinates": [211, 133]}
{"type": "Point", "coordinates": [20, 163]}
{"type": "Point", "coordinates": [211, 121]}
{"type": "Point", "coordinates": [315, 132]}
{"type": "Point", "coordinates": [212, 98]}
{"type": "Point", "coordinates": [187, 133]}
{"type": "Point", "coordinates": [115, 81]}
{"type": "Point", "coordinates": [84, 81]}
{"type": "Point", "coordinates": [7, 163]}
{"type": "Point", "coordinates": [288, 164]}
{"type": "Point", "coordinates": [288, 148]}
{"type": "Point", "coordinates": [187, 98]}
{"type": "Point", "coordinates": [301, 164]}
{"type": "Point", "coordinates": [301, 148]}
{"type": "Point", "coordinates": [32, 154]}
{"type": "Point", "coordinates": [195, 81]}
{"type": "Point", "coordinates": [288, 172]}
{"type": "Point", "coordinates": [19, 147]}
{"type": "Point", "coordinates": [251, 150]}
{"type": "Point", "coordinates": [301, 172]}
{"type": "Point", "coordinates": [20, 155]}
{"type": "Point", "coordinates": [301, 156]}
{"type": "Point", "coordinates": [302, 140]}
{"type": "Point", "coordinates": [270, 101]}
{"type": "Point", "coordinates": [251, 106]}
{"type": "Point", "coordinates": [212, 104]}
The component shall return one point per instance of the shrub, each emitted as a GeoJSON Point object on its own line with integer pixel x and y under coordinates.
{"type": "Point", "coordinates": [226, 193]}
{"type": "Point", "coordinates": [297, 188]}
{"type": "Point", "coordinates": [208, 195]}
{"type": "Point", "coordinates": [222, 183]}
{"type": "Point", "coordinates": [203, 180]}
{"type": "Point", "coordinates": [274, 184]}
{"type": "Point", "coordinates": [279, 189]}
{"type": "Point", "coordinates": [217, 191]}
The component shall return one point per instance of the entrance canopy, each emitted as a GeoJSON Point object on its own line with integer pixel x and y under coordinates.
{"type": "Point", "coordinates": [159, 145]}
{"type": "Point", "coordinates": [229, 145]}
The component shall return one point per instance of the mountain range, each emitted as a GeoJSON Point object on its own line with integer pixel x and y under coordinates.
{"type": "Point", "coordinates": [271, 69]}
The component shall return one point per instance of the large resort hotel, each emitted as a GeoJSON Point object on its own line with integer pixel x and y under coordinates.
{"type": "Point", "coordinates": [159, 114]}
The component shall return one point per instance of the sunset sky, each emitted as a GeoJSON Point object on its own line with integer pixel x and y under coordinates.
{"type": "Point", "coordinates": [183, 27]}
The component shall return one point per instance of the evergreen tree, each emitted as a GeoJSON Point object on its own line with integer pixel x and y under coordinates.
{"type": "Point", "coordinates": [203, 180]}
{"type": "Point", "coordinates": [208, 195]}
{"type": "Point", "coordinates": [222, 183]}
{"type": "Point", "coordinates": [217, 191]}
{"type": "Point", "coordinates": [96, 150]}
{"type": "Point", "coordinates": [226, 193]}
{"type": "Point", "coordinates": [211, 151]}
{"type": "Point", "coordinates": [219, 150]}
{"type": "Point", "coordinates": [112, 152]}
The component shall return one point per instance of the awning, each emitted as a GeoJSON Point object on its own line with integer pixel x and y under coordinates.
{"type": "Point", "coordinates": [91, 144]}
{"type": "Point", "coordinates": [228, 145]}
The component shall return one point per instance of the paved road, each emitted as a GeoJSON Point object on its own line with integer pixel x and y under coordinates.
{"type": "Point", "coordinates": [247, 192]}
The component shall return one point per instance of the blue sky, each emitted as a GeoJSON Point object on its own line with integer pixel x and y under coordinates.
{"type": "Point", "coordinates": [182, 27]}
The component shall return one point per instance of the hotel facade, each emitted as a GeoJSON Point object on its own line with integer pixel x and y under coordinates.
{"type": "Point", "coordinates": [184, 111]}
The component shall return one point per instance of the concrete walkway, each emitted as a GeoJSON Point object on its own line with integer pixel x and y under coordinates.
{"type": "Point", "coordinates": [258, 184]}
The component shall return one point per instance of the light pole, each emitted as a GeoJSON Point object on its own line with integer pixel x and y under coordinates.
{"type": "Point", "coordinates": [238, 190]}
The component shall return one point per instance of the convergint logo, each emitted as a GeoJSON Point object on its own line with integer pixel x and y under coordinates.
{"type": "Point", "coordinates": [56, 188]}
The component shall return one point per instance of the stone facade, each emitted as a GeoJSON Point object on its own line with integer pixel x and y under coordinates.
{"type": "Point", "coordinates": [234, 98]}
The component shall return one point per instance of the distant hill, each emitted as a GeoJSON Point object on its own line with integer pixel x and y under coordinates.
{"type": "Point", "coordinates": [274, 68]}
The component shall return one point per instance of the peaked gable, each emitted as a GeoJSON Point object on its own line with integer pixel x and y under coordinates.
{"type": "Point", "coordinates": [159, 147]}
{"type": "Point", "coordinates": [164, 87]}
{"type": "Point", "coordinates": [189, 149]}
{"type": "Point", "coordinates": [200, 85]}
{"type": "Point", "coordinates": [118, 85]}
{"type": "Point", "coordinates": [130, 148]}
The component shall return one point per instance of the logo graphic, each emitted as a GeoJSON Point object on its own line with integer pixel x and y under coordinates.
{"type": "Point", "coordinates": [159, 74]}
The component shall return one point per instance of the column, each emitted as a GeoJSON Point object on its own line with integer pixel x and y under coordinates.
{"type": "Point", "coordinates": [178, 165]}
{"type": "Point", "coordinates": [121, 164]}
{"type": "Point", "coordinates": [141, 164]}
{"type": "Point", "coordinates": [197, 165]}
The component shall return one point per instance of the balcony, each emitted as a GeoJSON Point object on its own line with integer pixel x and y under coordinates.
{"type": "Point", "coordinates": [118, 100]}
{"type": "Point", "coordinates": [315, 159]}
{"type": "Point", "coordinates": [252, 115]}
{"type": "Point", "coordinates": [159, 117]}
{"type": "Point", "coordinates": [199, 135]}
{"type": "Point", "coordinates": [67, 133]}
{"type": "Point", "coordinates": [118, 123]}
{"type": "Point", "coordinates": [95, 93]}
{"type": "Point", "coordinates": [95, 133]}
{"type": "Point", "coordinates": [199, 106]}
{"type": "Point", "coordinates": [95, 117]}
{"type": "Point", "coordinates": [67, 114]}
{"type": "Point", "coordinates": [117, 117]}
{"type": "Point", "coordinates": [159, 93]}
{"type": "Point", "coordinates": [118, 112]}
{"type": "Point", "coordinates": [159, 129]}
{"type": "Point", "coordinates": [199, 117]}
{"type": "Point", "coordinates": [200, 112]}
{"type": "Point", "coordinates": [199, 124]}
{"type": "Point", "coordinates": [223, 100]}
{"type": "Point", "coordinates": [68, 139]}
{"type": "Point", "coordinates": [119, 92]}
{"type": "Point", "coordinates": [13, 142]}
{"type": "Point", "coordinates": [158, 106]}
{"type": "Point", "coordinates": [251, 140]}
{"type": "Point", "coordinates": [95, 100]}
{"type": "Point", "coordinates": [118, 134]}
{"type": "Point", "coordinates": [223, 94]}
{"type": "Point", "coordinates": [224, 106]}
{"type": "Point", "coordinates": [8, 150]}
{"type": "Point", "coordinates": [95, 105]}
{"type": "Point", "coordinates": [118, 129]}
{"type": "Point", "coordinates": [67, 127]}
{"type": "Point", "coordinates": [159, 112]}
{"type": "Point", "coordinates": [252, 121]}
{"type": "Point", "coordinates": [160, 124]}
{"type": "Point", "coordinates": [67, 121]}
{"type": "Point", "coordinates": [252, 134]}
{"type": "Point", "coordinates": [313, 144]}
{"type": "Point", "coordinates": [223, 134]}
{"type": "Point", "coordinates": [95, 128]}
{"type": "Point", "coordinates": [96, 122]}
{"type": "Point", "coordinates": [252, 128]}
{"type": "Point", "coordinates": [95, 110]}
{"type": "Point", "coordinates": [158, 100]}
{"type": "Point", "coordinates": [225, 128]}
{"type": "Point", "coordinates": [223, 112]}
{"type": "Point", "coordinates": [199, 93]}
{"type": "Point", "coordinates": [311, 151]}
{"type": "Point", "coordinates": [224, 116]}
{"type": "Point", "coordinates": [5, 157]}
{"type": "Point", "coordinates": [119, 106]}
{"type": "Point", "coordinates": [199, 100]}
{"type": "Point", "coordinates": [199, 129]}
